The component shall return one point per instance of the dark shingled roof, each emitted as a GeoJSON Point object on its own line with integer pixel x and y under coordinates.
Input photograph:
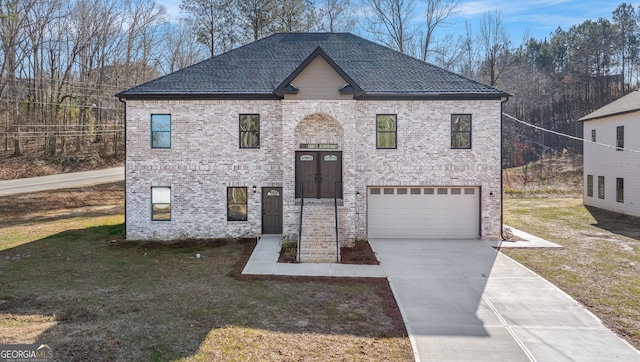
{"type": "Point", "coordinates": [259, 70]}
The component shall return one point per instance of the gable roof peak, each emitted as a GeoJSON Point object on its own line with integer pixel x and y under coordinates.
{"type": "Point", "coordinates": [351, 87]}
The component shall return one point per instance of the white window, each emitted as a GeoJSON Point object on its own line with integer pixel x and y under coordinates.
{"type": "Point", "coordinates": [161, 203]}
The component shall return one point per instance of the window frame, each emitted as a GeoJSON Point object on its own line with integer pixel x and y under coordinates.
{"type": "Point", "coordinates": [620, 138]}
{"type": "Point", "coordinates": [454, 132]}
{"type": "Point", "coordinates": [601, 187]}
{"type": "Point", "coordinates": [246, 204]}
{"type": "Point", "coordinates": [152, 131]}
{"type": "Point", "coordinates": [590, 185]}
{"type": "Point", "coordinates": [241, 132]}
{"type": "Point", "coordinates": [153, 213]}
{"type": "Point", "coordinates": [593, 135]}
{"type": "Point", "coordinates": [379, 132]}
{"type": "Point", "coordinates": [620, 189]}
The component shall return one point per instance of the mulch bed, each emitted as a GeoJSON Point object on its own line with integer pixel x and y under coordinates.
{"type": "Point", "coordinates": [360, 253]}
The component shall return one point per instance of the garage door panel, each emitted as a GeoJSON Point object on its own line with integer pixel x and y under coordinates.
{"type": "Point", "coordinates": [424, 212]}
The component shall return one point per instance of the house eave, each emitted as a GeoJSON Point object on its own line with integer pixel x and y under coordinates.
{"type": "Point", "coordinates": [587, 118]}
{"type": "Point", "coordinates": [198, 96]}
{"type": "Point", "coordinates": [432, 96]}
{"type": "Point", "coordinates": [278, 95]}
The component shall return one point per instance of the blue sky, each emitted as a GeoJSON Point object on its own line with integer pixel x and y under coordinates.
{"type": "Point", "coordinates": [535, 18]}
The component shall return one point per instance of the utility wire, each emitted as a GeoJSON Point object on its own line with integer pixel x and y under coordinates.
{"type": "Point", "coordinates": [568, 136]}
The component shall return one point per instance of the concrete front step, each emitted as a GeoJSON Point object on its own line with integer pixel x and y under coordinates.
{"type": "Point", "coordinates": [318, 240]}
{"type": "Point", "coordinates": [318, 258]}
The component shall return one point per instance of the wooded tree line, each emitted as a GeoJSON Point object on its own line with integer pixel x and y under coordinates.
{"type": "Point", "coordinates": [63, 61]}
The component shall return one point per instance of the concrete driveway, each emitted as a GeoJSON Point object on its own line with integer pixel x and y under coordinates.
{"type": "Point", "coordinates": [463, 301]}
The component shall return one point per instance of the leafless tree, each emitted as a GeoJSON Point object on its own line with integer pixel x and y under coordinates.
{"type": "Point", "coordinates": [436, 14]}
{"type": "Point", "coordinates": [295, 16]}
{"type": "Point", "coordinates": [336, 15]}
{"type": "Point", "coordinates": [468, 65]}
{"type": "Point", "coordinates": [390, 22]}
{"type": "Point", "coordinates": [495, 44]}
{"type": "Point", "coordinates": [180, 49]}
{"type": "Point", "coordinates": [14, 18]}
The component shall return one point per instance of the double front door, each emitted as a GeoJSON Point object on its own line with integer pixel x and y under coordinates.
{"type": "Point", "coordinates": [319, 174]}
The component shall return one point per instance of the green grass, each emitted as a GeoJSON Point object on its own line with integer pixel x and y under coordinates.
{"type": "Point", "coordinates": [599, 264]}
{"type": "Point", "coordinates": [67, 284]}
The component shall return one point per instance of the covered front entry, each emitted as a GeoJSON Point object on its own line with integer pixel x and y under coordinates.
{"type": "Point", "coordinates": [423, 212]}
{"type": "Point", "coordinates": [319, 174]}
{"type": "Point", "coordinates": [272, 210]}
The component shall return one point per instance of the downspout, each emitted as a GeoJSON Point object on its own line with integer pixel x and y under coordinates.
{"type": "Point", "coordinates": [125, 163]}
{"type": "Point", "coordinates": [502, 102]}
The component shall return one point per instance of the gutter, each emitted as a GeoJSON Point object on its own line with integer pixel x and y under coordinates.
{"type": "Point", "coordinates": [502, 102]}
{"type": "Point", "coordinates": [124, 101]}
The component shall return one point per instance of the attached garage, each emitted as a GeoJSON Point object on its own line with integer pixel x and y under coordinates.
{"type": "Point", "coordinates": [423, 212]}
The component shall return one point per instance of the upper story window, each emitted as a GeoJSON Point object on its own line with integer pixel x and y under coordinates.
{"type": "Point", "coordinates": [160, 131]}
{"type": "Point", "coordinates": [161, 203]}
{"type": "Point", "coordinates": [386, 131]}
{"type": "Point", "coordinates": [460, 131]}
{"type": "Point", "coordinates": [249, 131]}
{"type": "Point", "coordinates": [620, 138]}
{"type": "Point", "coordinates": [593, 135]}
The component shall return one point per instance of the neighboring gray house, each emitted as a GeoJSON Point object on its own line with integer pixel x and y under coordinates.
{"type": "Point", "coordinates": [612, 174]}
{"type": "Point", "coordinates": [229, 146]}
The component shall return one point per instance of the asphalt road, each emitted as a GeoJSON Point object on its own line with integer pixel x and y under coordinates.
{"type": "Point", "coordinates": [75, 179]}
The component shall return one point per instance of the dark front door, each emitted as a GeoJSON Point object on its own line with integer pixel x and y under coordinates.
{"type": "Point", "coordinates": [272, 210]}
{"type": "Point", "coordinates": [319, 174]}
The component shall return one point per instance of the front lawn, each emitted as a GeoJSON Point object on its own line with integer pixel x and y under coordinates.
{"type": "Point", "coordinates": [599, 264]}
{"type": "Point", "coordinates": [68, 280]}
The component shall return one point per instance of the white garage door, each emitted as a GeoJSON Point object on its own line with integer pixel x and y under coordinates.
{"type": "Point", "coordinates": [424, 212]}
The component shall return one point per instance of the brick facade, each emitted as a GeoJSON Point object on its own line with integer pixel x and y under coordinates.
{"type": "Point", "coordinates": [205, 159]}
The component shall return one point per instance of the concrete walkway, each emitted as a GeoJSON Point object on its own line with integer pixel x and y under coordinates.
{"type": "Point", "coordinates": [52, 182]}
{"type": "Point", "coordinates": [264, 261]}
{"type": "Point", "coordinates": [461, 300]}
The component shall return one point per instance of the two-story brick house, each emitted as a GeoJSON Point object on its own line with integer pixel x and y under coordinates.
{"type": "Point", "coordinates": [230, 146]}
{"type": "Point", "coordinates": [611, 159]}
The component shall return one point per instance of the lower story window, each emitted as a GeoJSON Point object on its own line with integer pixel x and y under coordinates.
{"type": "Point", "coordinates": [236, 204]}
{"type": "Point", "coordinates": [601, 187]}
{"type": "Point", "coordinates": [619, 189]}
{"type": "Point", "coordinates": [590, 185]}
{"type": "Point", "coordinates": [161, 203]}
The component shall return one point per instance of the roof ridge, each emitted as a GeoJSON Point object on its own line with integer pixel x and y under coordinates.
{"type": "Point", "coordinates": [259, 69]}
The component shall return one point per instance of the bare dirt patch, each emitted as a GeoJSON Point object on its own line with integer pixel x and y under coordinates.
{"type": "Point", "coordinates": [101, 199]}
{"type": "Point", "coordinates": [28, 166]}
{"type": "Point", "coordinates": [558, 175]}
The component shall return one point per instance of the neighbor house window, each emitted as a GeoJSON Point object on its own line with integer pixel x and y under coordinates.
{"type": "Point", "coordinates": [593, 135]}
{"type": "Point", "coordinates": [601, 187]}
{"type": "Point", "coordinates": [160, 131]}
{"type": "Point", "coordinates": [386, 131]}
{"type": "Point", "coordinates": [161, 203]}
{"type": "Point", "coordinates": [590, 185]}
{"type": "Point", "coordinates": [619, 189]}
{"type": "Point", "coordinates": [249, 131]}
{"type": "Point", "coordinates": [460, 131]}
{"type": "Point", "coordinates": [620, 138]}
{"type": "Point", "coordinates": [236, 204]}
